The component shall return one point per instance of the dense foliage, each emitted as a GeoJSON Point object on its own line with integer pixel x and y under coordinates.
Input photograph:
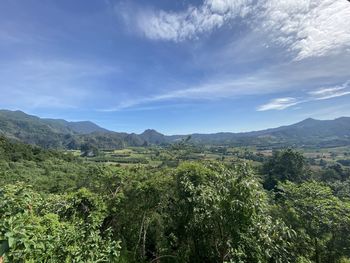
{"type": "Point", "coordinates": [55, 207]}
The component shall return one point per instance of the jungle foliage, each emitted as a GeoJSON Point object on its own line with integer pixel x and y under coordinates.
{"type": "Point", "coordinates": [55, 207]}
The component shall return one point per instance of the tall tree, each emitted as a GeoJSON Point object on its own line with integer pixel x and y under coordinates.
{"type": "Point", "coordinates": [285, 165]}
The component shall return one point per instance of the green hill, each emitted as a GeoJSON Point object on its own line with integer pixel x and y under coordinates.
{"type": "Point", "coordinates": [56, 133]}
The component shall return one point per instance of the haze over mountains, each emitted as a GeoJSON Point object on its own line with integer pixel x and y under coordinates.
{"type": "Point", "coordinates": [57, 133]}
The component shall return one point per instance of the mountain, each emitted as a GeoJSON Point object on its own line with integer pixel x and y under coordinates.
{"type": "Point", "coordinates": [307, 133]}
{"type": "Point", "coordinates": [56, 133]}
{"type": "Point", "coordinates": [32, 130]}
{"type": "Point", "coordinates": [20, 119]}
{"type": "Point", "coordinates": [153, 137]}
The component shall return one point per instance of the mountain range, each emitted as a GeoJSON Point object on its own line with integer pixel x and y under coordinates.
{"type": "Point", "coordinates": [57, 133]}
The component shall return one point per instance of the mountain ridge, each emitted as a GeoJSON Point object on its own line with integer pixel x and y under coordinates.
{"type": "Point", "coordinates": [59, 133]}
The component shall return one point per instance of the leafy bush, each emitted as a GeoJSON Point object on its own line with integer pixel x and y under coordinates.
{"type": "Point", "coordinates": [28, 233]}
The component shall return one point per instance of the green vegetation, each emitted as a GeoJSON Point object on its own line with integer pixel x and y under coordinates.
{"type": "Point", "coordinates": [176, 203]}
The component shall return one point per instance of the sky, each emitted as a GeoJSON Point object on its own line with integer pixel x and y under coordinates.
{"type": "Point", "coordinates": [176, 66]}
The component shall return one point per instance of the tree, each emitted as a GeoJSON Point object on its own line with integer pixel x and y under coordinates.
{"type": "Point", "coordinates": [286, 165]}
{"type": "Point", "coordinates": [136, 201]}
{"type": "Point", "coordinates": [220, 214]}
{"type": "Point", "coordinates": [88, 150]}
{"type": "Point", "coordinates": [56, 229]}
{"type": "Point", "coordinates": [321, 220]}
{"type": "Point", "coordinates": [334, 173]}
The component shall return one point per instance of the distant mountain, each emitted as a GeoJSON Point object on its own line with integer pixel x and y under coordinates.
{"type": "Point", "coordinates": [307, 133]}
{"type": "Point", "coordinates": [153, 137]}
{"type": "Point", "coordinates": [32, 130]}
{"type": "Point", "coordinates": [56, 133]}
{"type": "Point", "coordinates": [19, 118]}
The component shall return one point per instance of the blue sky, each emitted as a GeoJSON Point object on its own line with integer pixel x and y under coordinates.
{"type": "Point", "coordinates": [176, 66]}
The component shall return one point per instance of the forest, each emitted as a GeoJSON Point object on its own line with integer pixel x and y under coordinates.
{"type": "Point", "coordinates": [236, 206]}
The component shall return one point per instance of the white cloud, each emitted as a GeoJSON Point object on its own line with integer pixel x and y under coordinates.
{"type": "Point", "coordinates": [279, 104]}
{"type": "Point", "coordinates": [333, 92]}
{"type": "Point", "coordinates": [191, 22]}
{"type": "Point", "coordinates": [307, 28]}
{"type": "Point", "coordinates": [319, 94]}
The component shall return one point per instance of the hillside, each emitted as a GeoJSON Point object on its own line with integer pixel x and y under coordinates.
{"type": "Point", "coordinates": [81, 127]}
{"type": "Point", "coordinates": [56, 133]}
{"type": "Point", "coordinates": [33, 130]}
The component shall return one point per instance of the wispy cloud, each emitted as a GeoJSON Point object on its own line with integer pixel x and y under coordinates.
{"type": "Point", "coordinates": [191, 22]}
{"type": "Point", "coordinates": [279, 104]}
{"type": "Point", "coordinates": [216, 89]}
{"type": "Point", "coordinates": [308, 28]}
{"type": "Point", "coordinates": [328, 93]}
{"type": "Point", "coordinates": [319, 94]}
{"type": "Point", "coordinates": [269, 80]}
